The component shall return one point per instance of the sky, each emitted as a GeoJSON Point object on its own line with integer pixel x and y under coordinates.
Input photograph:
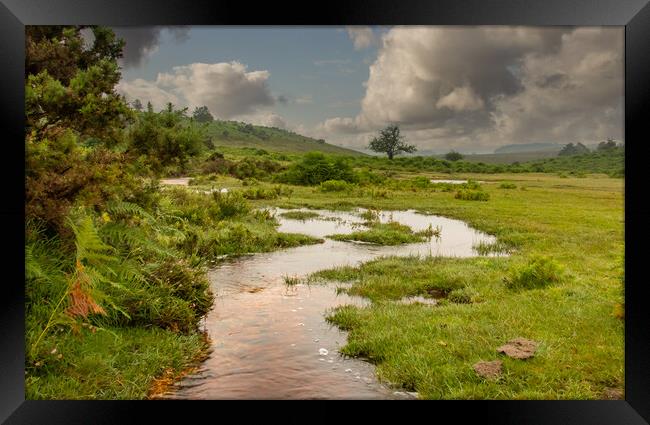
{"type": "Point", "coordinates": [469, 89]}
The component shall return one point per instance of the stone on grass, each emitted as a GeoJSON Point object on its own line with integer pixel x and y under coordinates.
{"type": "Point", "coordinates": [613, 394]}
{"type": "Point", "coordinates": [489, 370]}
{"type": "Point", "coordinates": [519, 348]}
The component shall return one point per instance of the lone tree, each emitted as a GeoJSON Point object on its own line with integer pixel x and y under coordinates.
{"type": "Point", "coordinates": [202, 114]}
{"type": "Point", "coordinates": [453, 156]}
{"type": "Point", "coordinates": [390, 142]}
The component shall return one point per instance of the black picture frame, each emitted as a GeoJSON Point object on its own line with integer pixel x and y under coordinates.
{"type": "Point", "coordinates": [633, 14]}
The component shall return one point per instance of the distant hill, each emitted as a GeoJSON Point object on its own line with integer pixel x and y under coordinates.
{"type": "Point", "coordinates": [509, 158]}
{"type": "Point", "coordinates": [504, 158]}
{"type": "Point", "coordinates": [530, 147]}
{"type": "Point", "coordinates": [240, 135]}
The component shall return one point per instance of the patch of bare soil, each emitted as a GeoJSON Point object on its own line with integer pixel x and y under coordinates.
{"type": "Point", "coordinates": [519, 348]}
{"type": "Point", "coordinates": [489, 370]}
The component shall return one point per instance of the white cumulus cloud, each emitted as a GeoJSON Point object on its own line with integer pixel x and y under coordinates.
{"type": "Point", "coordinates": [362, 37]}
{"type": "Point", "coordinates": [473, 87]}
{"type": "Point", "coordinates": [228, 89]}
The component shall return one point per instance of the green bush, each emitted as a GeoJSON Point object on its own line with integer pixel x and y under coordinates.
{"type": "Point", "coordinates": [507, 185]}
{"type": "Point", "coordinates": [315, 168]}
{"type": "Point", "coordinates": [462, 296]}
{"type": "Point", "coordinates": [230, 204]}
{"type": "Point", "coordinates": [537, 273]}
{"type": "Point", "coordinates": [335, 186]}
{"type": "Point", "coordinates": [472, 195]}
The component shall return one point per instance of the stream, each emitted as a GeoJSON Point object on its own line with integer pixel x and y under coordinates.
{"type": "Point", "coordinates": [270, 340]}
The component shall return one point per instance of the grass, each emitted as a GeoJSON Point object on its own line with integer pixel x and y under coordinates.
{"type": "Point", "coordinates": [300, 215]}
{"type": "Point", "coordinates": [117, 363]}
{"type": "Point", "coordinates": [291, 280]}
{"type": "Point", "coordinates": [496, 247]}
{"type": "Point", "coordinates": [391, 233]}
{"type": "Point", "coordinates": [573, 223]}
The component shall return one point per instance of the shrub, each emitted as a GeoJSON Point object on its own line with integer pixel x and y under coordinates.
{"type": "Point", "coordinates": [537, 273]}
{"type": "Point", "coordinates": [231, 204]}
{"type": "Point", "coordinates": [335, 186]}
{"type": "Point", "coordinates": [472, 195]}
{"type": "Point", "coordinates": [266, 193]}
{"type": "Point", "coordinates": [462, 296]}
{"type": "Point", "coordinates": [316, 168]}
{"type": "Point", "coordinates": [421, 182]}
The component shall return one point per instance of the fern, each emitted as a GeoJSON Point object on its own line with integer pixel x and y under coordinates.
{"type": "Point", "coordinates": [122, 209]}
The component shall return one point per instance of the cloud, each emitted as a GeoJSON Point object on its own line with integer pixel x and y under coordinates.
{"type": "Point", "coordinates": [461, 99]}
{"type": "Point", "coordinates": [469, 87]}
{"type": "Point", "coordinates": [304, 100]}
{"type": "Point", "coordinates": [142, 42]}
{"type": "Point", "coordinates": [362, 37]}
{"type": "Point", "coordinates": [147, 91]}
{"type": "Point", "coordinates": [228, 89]}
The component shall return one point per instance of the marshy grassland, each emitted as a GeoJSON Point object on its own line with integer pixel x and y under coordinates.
{"type": "Point", "coordinates": [116, 264]}
{"type": "Point", "coordinates": [562, 286]}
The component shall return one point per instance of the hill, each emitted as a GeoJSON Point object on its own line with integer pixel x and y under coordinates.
{"type": "Point", "coordinates": [529, 147]}
{"type": "Point", "coordinates": [243, 135]}
{"type": "Point", "coordinates": [510, 157]}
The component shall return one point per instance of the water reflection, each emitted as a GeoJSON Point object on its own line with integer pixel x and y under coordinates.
{"type": "Point", "coordinates": [270, 340]}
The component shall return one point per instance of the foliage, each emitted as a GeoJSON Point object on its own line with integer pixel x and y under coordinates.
{"type": "Point", "coordinates": [335, 186]}
{"type": "Point", "coordinates": [202, 114]}
{"type": "Point", "coordinates": [453, 156]}
{"type": "Point", "coordinates": [166, 138]}
{"type": "Point", "coordinates": [68, 87]}
{"type": "Point", "coordinates": [300, 215]}
{"type": "Point", "coordinates": [609, 144]}
{"type": "Point", "coordinates": [315, 168]}
{"type": "Point", "coordinates": [391, 233]}
{"type": "Point", "coordinates": [571, 149]}
{"type": "Point", "coordinates": [472, 195]}
{"type": "Point", "coordinates": [390, 142]}
{"type": "Point", "coordinates": [537, 273]}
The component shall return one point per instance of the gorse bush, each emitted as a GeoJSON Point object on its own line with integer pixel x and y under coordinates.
{"type": "Point", "coordinates": [537, 273]}
{"type": "Point", "coordinates": [315, 168]}
{"type": "Point", "coordinates": [335, 186]}
{"type": "Point", "coordinates": [166, 137]}
{"type": "Point", "coordinates": [472, 195]}
{"type": "Point", "coordinates": [230, 204]}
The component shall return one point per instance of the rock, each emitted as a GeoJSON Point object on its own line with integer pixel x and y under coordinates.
{"type": "Point", "coordinates": [489, 370]}
{"type": "Point", "coordinates": [519, 348]}
{"type": "Point", "coordinates": [323, 352]}
{"type": "Point", "coordinates": [613, 394]}
{"type": "Point", "coordinates": [348, 370]}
